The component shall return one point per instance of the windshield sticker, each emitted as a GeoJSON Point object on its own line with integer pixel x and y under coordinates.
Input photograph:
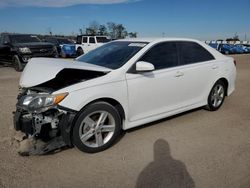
{"type": "Point", "coordinates": [137, 44]}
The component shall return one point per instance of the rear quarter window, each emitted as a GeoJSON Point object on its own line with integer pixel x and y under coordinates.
{"type": "Point", "coordinates": [192, 52]}
{"type": "Point", "coordinates": [102, 39]}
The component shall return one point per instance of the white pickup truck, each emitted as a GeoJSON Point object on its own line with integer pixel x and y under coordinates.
{"type": "Point", "coordinates": [86, 43]}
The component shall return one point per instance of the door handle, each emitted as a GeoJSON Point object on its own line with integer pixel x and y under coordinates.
{"type": "Point", "coordinates": [179, 74]}
{"type": "Point", "coordinates": [215, 67]}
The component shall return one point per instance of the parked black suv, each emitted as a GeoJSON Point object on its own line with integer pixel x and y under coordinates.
{"type": "Point", "coordinates": [17, 49]}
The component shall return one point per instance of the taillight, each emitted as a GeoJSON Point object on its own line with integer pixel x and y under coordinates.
{"type": "Point", "coordinates": [234, 62]}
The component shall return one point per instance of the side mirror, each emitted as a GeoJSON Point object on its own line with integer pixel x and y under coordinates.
{"type": "Point", "coordinates": [142, 66]}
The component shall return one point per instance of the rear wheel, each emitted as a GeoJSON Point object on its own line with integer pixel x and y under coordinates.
{"type": "Point", "coordinates": [79, 51]}
{"type": "Point", "coordinates": [18, 66]}
{"type": "Point", "coordinates": [97, 127]}
{"type": "Point", "coordinates": [216, 96]}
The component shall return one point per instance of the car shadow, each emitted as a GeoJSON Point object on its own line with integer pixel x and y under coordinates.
{"type": "Point", "coordinates": [164, 170]}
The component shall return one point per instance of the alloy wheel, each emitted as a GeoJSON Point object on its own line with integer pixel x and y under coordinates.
{"type": "Point", "coordinates": [218, 95]}
{"type": "Point", "coordinates": [97, 129]}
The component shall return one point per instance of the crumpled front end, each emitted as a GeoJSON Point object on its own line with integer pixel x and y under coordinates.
{"type": "Point", "coordinates": [39, 116]}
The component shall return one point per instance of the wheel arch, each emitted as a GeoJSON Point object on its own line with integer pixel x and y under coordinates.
{"type": "Point", "coordinates": [225, 81]}
{"type": "Point", "coordinates": [69, 132]}
{"type": "Point", "coordinates": [80, 48]}
{"type": "Point", "coordinates": [111, 101]}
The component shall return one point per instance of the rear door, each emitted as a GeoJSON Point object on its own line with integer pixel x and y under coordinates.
{"type": "Point", "coordinates": [197, 72]}
{"type": "Point", "coordinates": [91, 44]}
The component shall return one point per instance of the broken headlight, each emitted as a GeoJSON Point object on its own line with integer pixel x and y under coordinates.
{"type": "Point", "coordinates": [40, 102]}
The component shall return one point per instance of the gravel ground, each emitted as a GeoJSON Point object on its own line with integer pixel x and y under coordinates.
{"type": "Point", "coordinates": [195, 149]}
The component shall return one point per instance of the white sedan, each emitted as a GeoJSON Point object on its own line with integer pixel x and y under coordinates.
{"type": "Point", "coordinates": [120, 85]}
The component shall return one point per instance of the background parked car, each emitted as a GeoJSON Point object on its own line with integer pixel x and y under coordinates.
{"type": "Point", "coordinates": [17, 49]}
{"type": "Point", "coordinates": [214, 45]}
{"type": "Point", "coordinates": [226, 48]}
{"type": "Point", "coordinates": [65, 47]}
{"type": "Point", "coordinates": [238, 49]}
{"type": "Point", "coordinates": [245, 47]}
{"type": "Point", "coordinates": [85, 43]}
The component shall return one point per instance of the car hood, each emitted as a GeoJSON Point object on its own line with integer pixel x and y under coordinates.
{"type": "Point", "coordinates": [33, 44]}
{"type": "Point", "coordinates": [40, 70]}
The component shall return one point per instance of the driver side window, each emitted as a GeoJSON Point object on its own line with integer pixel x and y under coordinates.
{"type": "Point", "coordinates": [163, 55]}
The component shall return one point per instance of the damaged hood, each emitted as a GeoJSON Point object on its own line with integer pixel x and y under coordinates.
{"type": "Point", "coordinates": [40, 70]}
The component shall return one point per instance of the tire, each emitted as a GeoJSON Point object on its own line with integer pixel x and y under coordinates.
{"type": "Point", "coordinates": [79, 51]}
{"type": "Point", "coordinates": [18, 66]}
{"type": "Point", "coordinates": [91, 136]}
{"type": "Point", "coordinates": [216, 96]}
{"type": "Point", "coordinates": [63, 55]}
{"type": "Point", "coordinates": [227, 52]}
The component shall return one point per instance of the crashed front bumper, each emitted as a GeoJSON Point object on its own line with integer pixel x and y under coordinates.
{"type": "Point", "coordinates": [45, 125]}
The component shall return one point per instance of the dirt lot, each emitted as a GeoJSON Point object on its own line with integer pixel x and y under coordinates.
{"type": "Point", "coordinates": [197, 149]}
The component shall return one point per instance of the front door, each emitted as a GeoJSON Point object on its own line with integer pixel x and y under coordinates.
{"type": "Point", "coordinates": [156, 92]}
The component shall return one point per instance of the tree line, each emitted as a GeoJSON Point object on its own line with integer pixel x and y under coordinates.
{"type": "Point", "coordinates": [111, 29]}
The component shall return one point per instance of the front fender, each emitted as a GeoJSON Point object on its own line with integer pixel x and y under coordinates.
{"type": "Point", "coordinates": [78, 99]}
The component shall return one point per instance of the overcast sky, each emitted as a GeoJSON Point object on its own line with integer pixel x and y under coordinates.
{"type": "Point", "coordinates": [205, 20]}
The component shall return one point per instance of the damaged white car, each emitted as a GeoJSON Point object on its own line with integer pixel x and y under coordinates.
{"type": "Point", "coordinates": [120, 85]}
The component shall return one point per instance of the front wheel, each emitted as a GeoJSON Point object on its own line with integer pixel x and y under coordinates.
{"type": "Point", "coordinates": [17, 64]}
{"type": "Point", "coordinates": [97, 127]}
{"type": "Point", "coordinates": [216, 96]}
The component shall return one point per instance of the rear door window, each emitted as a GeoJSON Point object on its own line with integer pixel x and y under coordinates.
{"type": "Point", "coordinates": [91, 40]}
{"type": "Point", "coordinates": [192, 52]}
{"type": "Point", "coordinates": [84, 39]}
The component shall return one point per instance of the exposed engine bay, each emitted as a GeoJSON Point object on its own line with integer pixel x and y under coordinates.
{"type": "Point", "coordinates": [40, 117]}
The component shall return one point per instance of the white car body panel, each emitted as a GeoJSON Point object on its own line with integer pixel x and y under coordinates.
{"type": "Point", "coordinates": [40, 70]}
{"type": "Point", "coordinates": [142, 95]}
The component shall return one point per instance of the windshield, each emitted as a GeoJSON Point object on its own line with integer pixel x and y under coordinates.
{"type": "Point", "coordinates": [64, 41]}
{"type": "Point", "coordinates": [112, 55]}
{"type": "Point", "coordinates": [24, 38]}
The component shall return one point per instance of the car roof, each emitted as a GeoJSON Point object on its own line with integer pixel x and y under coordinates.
{"type": "Point", "coordinates": [51, 37]}
{"type": "Point", "coordinates": [163, 39]}
{"type": "Point", "coordinates": [92, 36]}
